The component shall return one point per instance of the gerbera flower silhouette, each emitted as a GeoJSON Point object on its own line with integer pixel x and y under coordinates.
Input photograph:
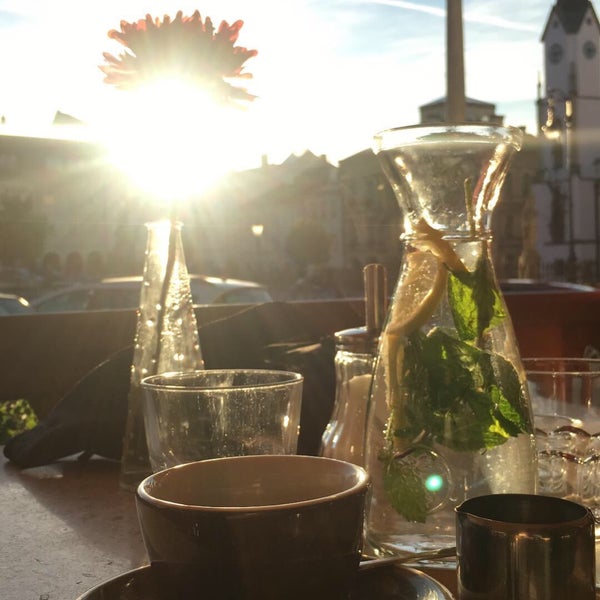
{"type": "Point", "coordinates": [183, 76]}
{"type": "Point", "coordinates": [185, 48]}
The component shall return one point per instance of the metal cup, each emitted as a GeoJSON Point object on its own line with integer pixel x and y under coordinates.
{"type": "Point", "coordinates": [524, 547]}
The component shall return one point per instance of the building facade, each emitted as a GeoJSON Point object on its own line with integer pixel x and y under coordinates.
{"type": "Point", "coordinates": [371, 217]}
{"type": "Point", "coordinates": [92, 221]}
{"type": "Point", "coordinates": [89, 221]}
{"type": "Point", "coordinates": [476, 111]}
{"type": "Point", "coordinates": [567, 198]}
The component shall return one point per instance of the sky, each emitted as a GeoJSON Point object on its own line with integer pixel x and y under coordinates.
{"type": "Point", "coordinates": [328, 75]}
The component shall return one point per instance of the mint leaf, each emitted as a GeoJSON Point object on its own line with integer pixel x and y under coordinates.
{"type": "Point", "coordinates": [510, 398]}
{"type": "Point", "coordinates": [405, 490]}
{"type": "Point", "coordinates": [476, 305]}
{"type": "Point", "coordinates": [413, 389]}
{"type": "Point", "coordinates": [471, 426]}
{"type": "Point", "coordinates": [452, 394]}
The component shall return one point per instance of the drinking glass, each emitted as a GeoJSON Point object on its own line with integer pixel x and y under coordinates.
{"type": "Point", "coordinates": [216, 413]}
{"type": "Point", "coordinates": [565, 395]}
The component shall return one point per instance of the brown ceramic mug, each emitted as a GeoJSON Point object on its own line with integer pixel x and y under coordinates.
{"type": "Point", "coordinates": [254, 527]}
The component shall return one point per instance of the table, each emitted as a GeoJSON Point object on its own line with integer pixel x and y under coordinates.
{"type": "Point", "coordinates": [68, 526]}
{"type": "Point", "coordinates": [65, 528]}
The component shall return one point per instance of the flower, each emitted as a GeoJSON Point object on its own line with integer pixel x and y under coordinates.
{"type": "Point", "coordinates": [187, 48]}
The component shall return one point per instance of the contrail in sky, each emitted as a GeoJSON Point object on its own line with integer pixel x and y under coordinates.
{"type": "Point", "coordinates": [440, 12]}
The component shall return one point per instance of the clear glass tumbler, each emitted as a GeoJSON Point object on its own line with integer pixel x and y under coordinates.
{"type": "Point", "coordinates": [565, 394]}
{"type": "Point", "coordinates": [221, 412]}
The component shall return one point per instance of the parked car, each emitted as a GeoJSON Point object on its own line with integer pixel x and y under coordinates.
{"type": "Point", "coordinates": [20, 282]}
{"type": "Point", "coordinates": [12, 304]}
{"type": "Point", "coordinates": [124, 293]}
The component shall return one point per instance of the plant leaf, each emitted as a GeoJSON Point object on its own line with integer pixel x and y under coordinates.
{"type": "Point", "coordinates": [405, 490]}
{"type": "Point", "coordinates": [476, 305]}
{"type": "Point", "coordinates": [16, 416]}
{"type": "Point", "coordinates": [464, 406]}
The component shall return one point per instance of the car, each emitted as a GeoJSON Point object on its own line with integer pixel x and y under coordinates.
{"type": "Point", "coordinates": [13, 304]}
{"type": "Point", "coordinates": [124, 293]}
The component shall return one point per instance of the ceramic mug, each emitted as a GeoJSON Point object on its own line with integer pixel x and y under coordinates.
{"type": "Point", "coordinates": [523, 546]}
{"type": "Point", "coordinates": [254, 527]}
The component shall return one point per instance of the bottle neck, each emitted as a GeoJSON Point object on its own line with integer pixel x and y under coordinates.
{"type": "Point", "coordinates": [456, 252]}
{"type": "Point", "coordinates": [410, 236]}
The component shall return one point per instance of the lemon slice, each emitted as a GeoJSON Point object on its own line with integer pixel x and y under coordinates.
{"type": "Point", "coordinates": [420, 290]}
{"type": "Point", "coordinates": [433, 240]}
{"type": "Point", "coordinates": [424, 279]}
{"type": "Point", "coordinates": [422, 284]}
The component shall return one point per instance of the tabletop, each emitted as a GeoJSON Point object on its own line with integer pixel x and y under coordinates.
{"type": "Point", "coordinates": [68, 526]}
{"type": "Point", "coordinates": [65, 528]}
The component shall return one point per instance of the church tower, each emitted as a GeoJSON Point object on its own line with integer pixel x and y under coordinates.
{"type": "Point", "coordinates": [571, 41]}
{"type": "Point", "coordinates": [569, 127]}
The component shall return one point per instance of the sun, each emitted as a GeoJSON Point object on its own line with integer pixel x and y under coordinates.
{"type": "Point", "coordinates": [182, 76]}
{"type": "Point", "coordinates": [170, 138]}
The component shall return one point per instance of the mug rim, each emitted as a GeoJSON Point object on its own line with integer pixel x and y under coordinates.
{"type": "Point", "coordinates": [361, 485]}
{"type": "Point", "coordinates": [586, 516]}
{"type": "Point", "coordinates": [152, 381]}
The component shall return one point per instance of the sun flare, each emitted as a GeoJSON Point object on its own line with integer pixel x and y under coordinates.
{"type": "Point", "coordinates": [171, 135]}
{"type": "Point", "coordinates": [169, 140]}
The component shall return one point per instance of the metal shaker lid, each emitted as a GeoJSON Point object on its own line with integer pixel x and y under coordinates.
{"type": "Point", "coordinates": [358, 340]}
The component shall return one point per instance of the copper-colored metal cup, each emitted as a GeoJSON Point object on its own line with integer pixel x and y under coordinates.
{"type": "Point", "coordinates": [522, 546]}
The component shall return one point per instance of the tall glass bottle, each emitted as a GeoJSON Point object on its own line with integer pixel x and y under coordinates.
{"type": "Point", "coordinates": [449, 415]}
{"type": "Point", "coordinates": [166, 337]}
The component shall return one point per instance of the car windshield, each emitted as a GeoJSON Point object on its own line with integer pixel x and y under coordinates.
{"type": "Point", "coordinates": [14, 306]}
{"type": "Point", "coordinates": [124, 294]}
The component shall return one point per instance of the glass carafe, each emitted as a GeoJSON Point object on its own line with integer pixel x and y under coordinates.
{"type": "Point", "coordinates": [449, 415]}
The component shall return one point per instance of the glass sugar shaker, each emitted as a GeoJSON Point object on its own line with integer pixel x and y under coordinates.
{"type": "Point", "coordinates": [356, 350]}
